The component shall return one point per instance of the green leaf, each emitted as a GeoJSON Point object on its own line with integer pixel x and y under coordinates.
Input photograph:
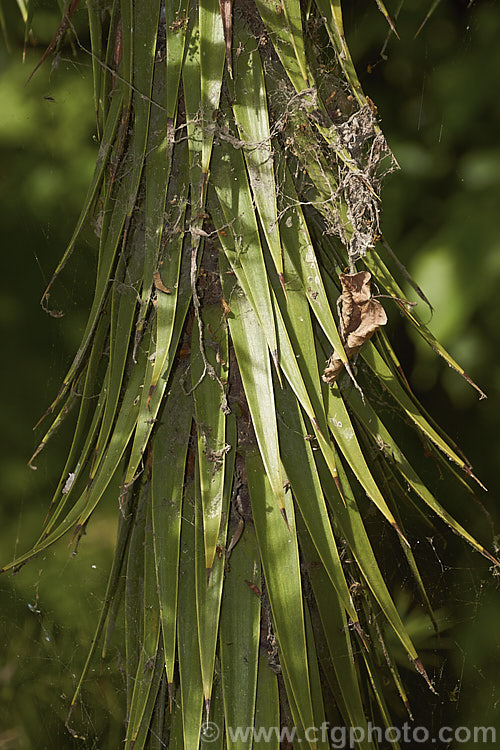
{"type": "Point", "coordinates": [239, 638]}
{"type": "Point", "coordinates": [305, 484]}
{"type": "Point", "coordinates": [300, 250]}
{"type": "Point", "coordinates": [169, 268]}
{"type": "Point", "coordinates": [282, 19]}
{"type": "Point", "coordinates": [123, 308]}
{"type": "Point", "coordinates": [280, 562]}
{"type": "Point", "coordinates": [345, 436]}
{"type": "Point", "coordinates": [125, 524]}
{"type": "Point", "coordinates": [351, 524]}
{"type": "Point", "coordinates": [149, 667]}
{"type": "Point", "coordinates": [383, 372]}
{"type": "Point", "coordinates": [383, 10]}
{"type": "Point", "coordinates": [316, 688]}
{"type": "Point", "coordinates": [134, 595]}
{"type": "Point", "coordinates": [212, 57]}
{"type": "Point", "coordinates": [267, 707]}
{"type": "Point", "coordinates": [176, 24]}
{"type": "Point", "coordinates": [336, 630]}
{"type": "Point", "coordinates": [331, 11]}
{"type": "Point", "coordinates": [191, 686]}
{"type": "Point", "coordinates": [208, 602]}
{"type": "Point", "coordinates": [88, 500]}
{"type": "Point", "coordinates": [209, 389]}
{"type": "Point", "coordinates": [385, 278]}
{"type": "Point", "coordinates": [376, 428]}
{"type": "Point", "coordinates": [169, 459]}
{"type": "Point", "coordinates": [253, 360]}
{"type": "Point", "coordinates": [96, 37]}
{"type": "Point", "coordinates": [252, 118]}
{"type": "Point", "coordinates": [238, 230]}
{"type": "Point", "coordinates": [102, 161]}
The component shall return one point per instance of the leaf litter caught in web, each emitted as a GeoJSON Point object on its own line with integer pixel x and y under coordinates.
{"type": "Point", "coordinates": [361, 316]}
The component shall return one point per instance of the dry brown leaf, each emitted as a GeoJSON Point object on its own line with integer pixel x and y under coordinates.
{"type": "Point", "coordinates": [360, 318]}
{"type": "Point", "coordinates": [225, 307]}
{"type": "Point", "coordinates": [159, 283]}
{"type": "Point", "coordinates": [226, 11]}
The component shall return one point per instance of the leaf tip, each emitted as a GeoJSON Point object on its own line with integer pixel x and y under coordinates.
{"type": "Point", "coordinates": [470, 473]}
{"type": "Point", "coordinates": [339, 488]}
{"type": "Point", "coordinates": [420, 668]}
{"type": "Point", "coordinates": [150, 394]}
{"type": "Point", "coordinates": [316, 426]}
{"type": "Point", "coordinates": [359, 630]}
{"type": "Point", "coordinates": [284, 516]}
{"type": "Point", "coordinates": [282, 282]}
{"type": "Point", "coordinates": [488, 555]}
{"type": "Point", "coordinates": [277, 366]}
{"type": "Point", "coordinates": [408, 708]}
{"type": "Point", "coordinates": [401, 535]}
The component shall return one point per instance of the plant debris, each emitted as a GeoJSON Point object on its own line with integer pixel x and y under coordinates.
{"type": "Point", "coordinates": [361, 317]}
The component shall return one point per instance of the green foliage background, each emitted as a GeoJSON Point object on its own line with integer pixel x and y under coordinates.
{"type": "Point", "coordinates": [439, 108]}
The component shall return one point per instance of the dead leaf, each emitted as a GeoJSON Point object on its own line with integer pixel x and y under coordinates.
{"type": "Point", "coordinates": [360, 318]}
{"type": "Point", "coordinates": [226, 11]}
{"type": "Point", "coordinates": [159, 283]}
{"type": "Point", "coordinates": [63, 26]}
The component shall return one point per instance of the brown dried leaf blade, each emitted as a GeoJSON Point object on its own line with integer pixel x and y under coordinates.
{"type": "Point", "coordinates": [361, 317]}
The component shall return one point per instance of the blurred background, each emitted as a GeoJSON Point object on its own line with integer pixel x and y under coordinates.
{"type": "Point", "coordinates": [437, 98]}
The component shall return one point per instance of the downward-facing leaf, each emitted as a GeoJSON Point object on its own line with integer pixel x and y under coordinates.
{"type": "Point", "coordinates": [349, 519]}
{"type": "Point", "coordinates": [284, 25]}
{"type": "Point", "coordinates": [125, 524]}
{"type": "Point", "coordinates": [322, 742]}
{"type": "Point", "coordinates": [83, 508]}
{"type": "Point", "coordinates": [378, 691]}
{"type": "Point", "coordinates": [385, 278]}
{"type": "Point", "coordinates": [101, 163]}
{"type": "Point", "coordinates": [383, 372]}
{"type": "Point", "coordinates": [239, 638]}
{"type": "Point", "coordinates": [176, 24]}
{"type": "Point", "coordinates": [251, 351]}
{"type": "Point", "coordinates": [252, 117]}
{"type": "Point", "coordinates": [336, 630]}
{"type": "Point", "coordinates": [375, 427]}
{"type": "Point", "coordinates": [148, 671]}
{"type": "Point", "coordinates": [124, 300]}
{"type": "Point", "coordinates": [345, 436]}
{"type": "Point", "coordinates": [238, 230]}
{"type": "Point", "coordinates": [211, 408]}
{"type": "Point", "coordinates": [280, 561]}
{"type": "Point", "coordinates": [331, 11]}
{"type": "Point", "coordinates": [169, 266]}
{"type": "Point", "coordinates": [169, 459]}
{"type": "Point", "coordinates": [305, 484]}
{"type": "Point", "coordinates": [123, 203]}
{"type": "Point", "coordinates": [267, 709]}
{"type": "Point", "coordinates": [134, 594]}
{"type": "Point", "coordinates": [208, 601]}
{"type": "Point", "coordinates": [302, 257]}
{"type": "Point", "coordinates": [191, 686]}
{"type": "Point", "coordinates": [212, 56]}
{"type": "Point", "coordinates": [157, 176]}
{"type": "Point", "coordinates": [304, 379]}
